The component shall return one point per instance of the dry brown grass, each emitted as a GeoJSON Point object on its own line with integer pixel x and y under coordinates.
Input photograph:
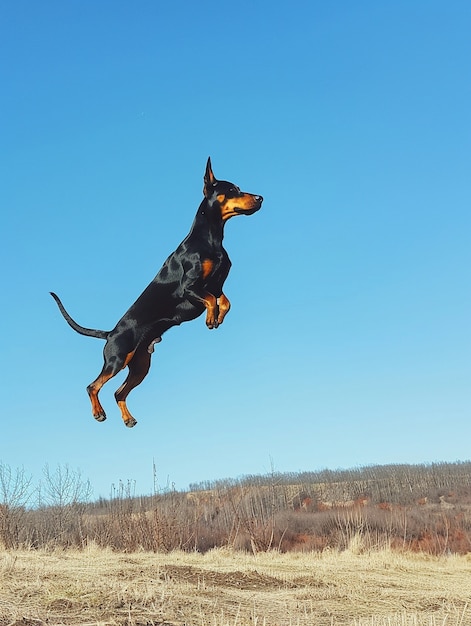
{"type": "Point", "coordinates": [226, 588]}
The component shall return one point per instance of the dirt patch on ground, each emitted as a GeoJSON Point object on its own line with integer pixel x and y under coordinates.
{"type": "Point", "coordinates": [238, 580]}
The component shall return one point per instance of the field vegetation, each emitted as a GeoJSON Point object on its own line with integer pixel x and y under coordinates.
{"type": "Point", "coordinates": [98, 587]}
{"type": "Point", "coordinates": [374, 546]}
{"type": "Point", "coordinates": [421, 508]}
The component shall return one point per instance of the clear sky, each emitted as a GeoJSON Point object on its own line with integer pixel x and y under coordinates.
{"type": "Point", "coordinates": [348, 342]}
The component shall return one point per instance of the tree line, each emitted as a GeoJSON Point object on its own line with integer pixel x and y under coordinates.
{"type": "Point", "coordinates": [423, 507]}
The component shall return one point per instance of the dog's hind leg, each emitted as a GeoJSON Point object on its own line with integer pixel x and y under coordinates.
{"type": "Point", "coordinates": [138, 368]}
{"type": "Point", "coordinates": [114, 363]}
{"type": "Point", "coordinates": [93, 389]}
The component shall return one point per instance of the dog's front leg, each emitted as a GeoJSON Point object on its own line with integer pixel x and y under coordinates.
{"type": "Point", "coordinates": [212, 310]}
{"type": "Point", "coordinates": [216, 307]}
{"type": "Point", "coordinates": [223, 305]}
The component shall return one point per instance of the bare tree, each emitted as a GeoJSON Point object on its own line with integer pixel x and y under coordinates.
{"type": "Point", "coordinates": [63, 495]}
{"type": "Point", "coordinates": [15, 493]}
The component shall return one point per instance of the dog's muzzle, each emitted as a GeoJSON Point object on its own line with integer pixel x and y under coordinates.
{"type": "Point", "coordinates": [254, 209]}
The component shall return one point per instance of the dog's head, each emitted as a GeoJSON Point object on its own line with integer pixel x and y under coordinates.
{"type": "Point", "coordinates": [227, 197]}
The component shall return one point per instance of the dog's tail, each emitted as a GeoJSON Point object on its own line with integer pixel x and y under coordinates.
{"type": "Point", "coordinates": [90, 332]}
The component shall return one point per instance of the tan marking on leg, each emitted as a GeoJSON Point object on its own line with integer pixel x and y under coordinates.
{"type": "Point", "coordinates": [128, 358]}
{"type": "Point", "coordinates": [128, 419]}
{"type": "Point", "coordinates": [223, 306]}
{"type": "Point", "coordinates": [210, 303]}
{"type": "Point", "coordinates": [93, 389]}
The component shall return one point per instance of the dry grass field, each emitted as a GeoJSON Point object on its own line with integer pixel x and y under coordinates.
{"type": "Point", "coordinates": [228, 588]}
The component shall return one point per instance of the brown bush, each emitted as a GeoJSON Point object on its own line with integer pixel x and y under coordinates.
{"type": "Point", "coordinates": [420, 508]}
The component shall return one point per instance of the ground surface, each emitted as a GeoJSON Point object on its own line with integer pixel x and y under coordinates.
{"type": "Point", "coordinates": [224, 588]}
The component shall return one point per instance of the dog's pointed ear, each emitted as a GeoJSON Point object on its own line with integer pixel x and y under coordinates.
{"type": "Point", "coordinates": [209, 179]}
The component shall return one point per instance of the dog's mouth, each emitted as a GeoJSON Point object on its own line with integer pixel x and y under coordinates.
{"type": "Point", "coordinates": [252, 209]}
{"type": "Point", "coordinates": [246, 211]}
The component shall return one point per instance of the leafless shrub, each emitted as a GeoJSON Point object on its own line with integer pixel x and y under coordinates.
{"type": "Point", "coordinates": [62, 501]}
{"type": "Point", "coordinates": [422, 508]}
{"type": "Point", "coordinates": [15, 493]}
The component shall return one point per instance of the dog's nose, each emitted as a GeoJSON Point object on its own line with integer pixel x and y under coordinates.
{"type": "Point", "coordinates": [259, 199]}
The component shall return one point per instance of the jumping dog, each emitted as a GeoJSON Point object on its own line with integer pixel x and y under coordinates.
{"type": "Point", "coordinates": [189, 283]}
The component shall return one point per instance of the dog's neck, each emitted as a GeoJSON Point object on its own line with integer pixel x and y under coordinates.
{"type": "Point", "coordinates": [208, 223]}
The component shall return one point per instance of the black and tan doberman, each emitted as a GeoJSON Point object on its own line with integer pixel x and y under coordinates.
{"type": "Point", "coordinates": [189, 283]}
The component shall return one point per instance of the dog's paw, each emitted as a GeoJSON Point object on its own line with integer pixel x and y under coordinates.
{"type": "Point", "coordinates": [130, 422]}
{"type": "Point", "coordinates": [100, 417]}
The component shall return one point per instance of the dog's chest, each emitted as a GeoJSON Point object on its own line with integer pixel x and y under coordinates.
{"type": "Point", "coordinates": [215, 267]}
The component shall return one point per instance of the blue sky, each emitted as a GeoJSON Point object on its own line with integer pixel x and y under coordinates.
{"type": "Point", "coordinates": [348, 341]}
